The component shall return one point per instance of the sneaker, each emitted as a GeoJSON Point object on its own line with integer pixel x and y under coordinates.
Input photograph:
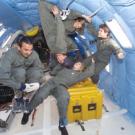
{"type": "Point", "coordinates": [63, 130]}
{"type": "Point", "coordinates": [17, 105]}
{"type": "Point", "coordinates": [25, 118]}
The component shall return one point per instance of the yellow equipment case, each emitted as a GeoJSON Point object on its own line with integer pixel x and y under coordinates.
{"type": "Point", "coordinates": [85, 102]}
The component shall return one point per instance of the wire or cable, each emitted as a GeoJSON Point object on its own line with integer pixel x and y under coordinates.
{"type": "Point", "coordinates": [132, 2]}
{"type": "Point", "coordinates": [69, 4]}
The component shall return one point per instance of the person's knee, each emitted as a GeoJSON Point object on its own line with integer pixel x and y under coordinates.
{"type": "Point", "coordinates": [34, 76]}
{"type": "Point", "coordinates": [19, 75]}
{"type": "Point", "coordinates": [95, 79]}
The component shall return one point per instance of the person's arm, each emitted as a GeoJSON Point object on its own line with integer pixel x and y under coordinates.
{"type": "Point", "coordinates": [5, 70]}
{"type": "Point", "coordinates": [91, 29]}
{"type": "Point", "coordinates": [48, 23]}
{"type": "Point", "coordinates": [87, 61]}
{"type": "Point", "coordinates": [56, 69]}
{"type": "Point", "coordinates": [88, 72]}
{"type": "Point", "coordinates": [116, 49]}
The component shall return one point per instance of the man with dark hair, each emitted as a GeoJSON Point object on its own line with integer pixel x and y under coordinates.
{"type": "Point", "coordinates": [21, 69]}
{"type": "Point", "coordinates": [57, 26]}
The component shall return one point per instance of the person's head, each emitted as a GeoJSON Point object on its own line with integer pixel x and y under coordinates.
{"type": "Point", "coordinates": [79, 23]}
{"type": "Point", "coordinates": [25, 46]}
{"type": "Point", "coordinates": [78, 66]}
{"type": "Point", "coordinates": [103, 31]}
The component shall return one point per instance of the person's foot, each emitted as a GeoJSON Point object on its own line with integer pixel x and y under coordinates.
{"type": "Point", "coordinates": [63, 130]}
{"type": "Point", "coordinates": [25, 118]}
{"type": "Point", "coordinates": [3, 124]}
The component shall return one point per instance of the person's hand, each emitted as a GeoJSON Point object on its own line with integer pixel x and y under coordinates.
{"type": "Point", "coordinates": [29, 87]}
{"type": "Point", "coordinates": [60, 57]}
{"type": "Point", "coordinates": [120, 55]}
{"type": "Point", "coordinates": [93, 61]}
{"type": "Point", "coordinates": [55, 10]}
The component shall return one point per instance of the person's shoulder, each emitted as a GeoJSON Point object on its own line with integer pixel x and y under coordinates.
{"type": "Point", "coordinates": [113, 42]}
{"type": "Point", "coordinates": [12, 51]}
{"type": "Point", "coordinates": [34, 52]}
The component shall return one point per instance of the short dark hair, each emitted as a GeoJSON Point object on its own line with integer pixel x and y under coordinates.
{"type": "Point", "coordinates": [23, 39]}
{"type": "Point", "coordinates": [105, 28]}
{"type": "Point", "coordinates": [79, 19]}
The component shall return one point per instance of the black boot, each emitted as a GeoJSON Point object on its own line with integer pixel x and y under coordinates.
{"type": "Point", "coordinates": [3, 124]}
{"type": "Point", "coordinates": [25, 118]}
{"type": "Point", "coordinates": [63, 130]}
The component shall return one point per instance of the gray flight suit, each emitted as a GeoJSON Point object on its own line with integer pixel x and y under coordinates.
{"type": "Point", "coordinates": [58, 86]}
{"type": "Point", "coordinates": [105, 48]}
{"type": "Point", "coordinates": [16, 69]}
{"type": "Point", "coordinates": [55, 30]}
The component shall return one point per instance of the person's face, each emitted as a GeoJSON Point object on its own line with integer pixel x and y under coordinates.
{"type": "Point", "coordinates": [78, 24]}
{"type": "Point", "coordinates": [102, 33]}
{"type": "Point", "coordinates": [26, 49]}
{"type": "Point", "coordinates": [60, 57]}
{"type": "Point", "coordinates": [78, 66]}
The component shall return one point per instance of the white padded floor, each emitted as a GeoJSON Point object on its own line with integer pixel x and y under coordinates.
{"type": "Point", "coordinates": [46, 121]}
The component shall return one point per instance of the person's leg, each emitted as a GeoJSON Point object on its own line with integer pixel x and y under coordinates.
{"type": "Point", "coordinates": [18, 75]}
{"type": "Point", "coordinates": [87, 61]}
{"type": "Point", "coordinates": [34, 75]}
{"type": "Point", "coordinates": [37, 99]}
{"type": "Point", "coordinates": [62, 96]}
{"type": "Point", "coordinates": [52, 61]}
{"type": "Point", "coordinates": [99, 66]}
{"type": "Point", "coordinates": [48, 23]}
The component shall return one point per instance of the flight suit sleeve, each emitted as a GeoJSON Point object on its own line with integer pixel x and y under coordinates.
{"type": "Point", "coordinates": [88, 72]}
{"type": "Point", "coordinates": [56, 69]}
{"type": "Point", "coordinates": [5, 70]}
{"type": "Point", "coordinates": [116, 49]}
{"type": "Point", "coordinates": [92, 29]}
